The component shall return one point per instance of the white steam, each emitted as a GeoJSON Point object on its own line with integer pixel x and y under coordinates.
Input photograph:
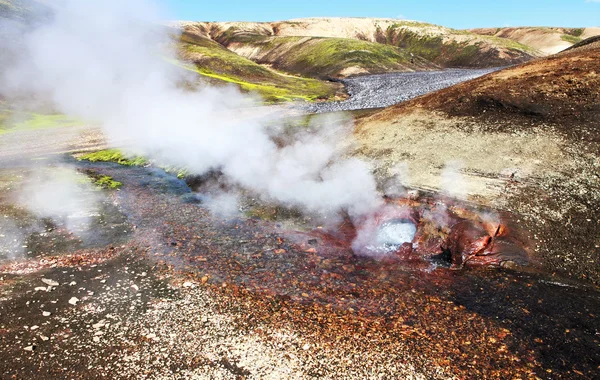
{"type": "Point", "coordinates": [452, 180]}
{"type": "Point", "coordinates": [108, 62]}
{"type": "Point", "coordinates": [63, 195]}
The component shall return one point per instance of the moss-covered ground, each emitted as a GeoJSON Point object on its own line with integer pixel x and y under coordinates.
{"type": "Point", "coordinates": [114, 155]}
{"type": "Point", "coordinates": [12, 120]}
{"type": "Point", "coordinates": [215, 62]}
{"type": "Point", "coordinates": [327, 57]}
{"type": "Point", "coordinates": [452, 48]}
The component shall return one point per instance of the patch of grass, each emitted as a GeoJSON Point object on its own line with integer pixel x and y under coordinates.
{"type": "Point", "coordinates": [213, 61]}
{"type": "Point", "coordinates": [570, 39]}
{"type": "Point", "coordinates": [32, 121]}
{"type": "Point", "coordinates": [107, 182]}
{"type": "Point", "coordinates": [114, 155]}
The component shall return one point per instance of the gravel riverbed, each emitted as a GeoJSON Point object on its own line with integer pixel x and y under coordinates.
{"type": "Point", "coordinates": [378, 91]}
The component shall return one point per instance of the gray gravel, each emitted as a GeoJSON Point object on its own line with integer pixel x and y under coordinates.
{"type": "Point", "coordinates": [384, 90]}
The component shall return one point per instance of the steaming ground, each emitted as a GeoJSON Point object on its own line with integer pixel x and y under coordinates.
{"type": "Point", "coordinates": [378, 91]}
{"type": "Point", "coordinates": [183, 292]}
{"type": "Point", "coordinates": [190, 294]}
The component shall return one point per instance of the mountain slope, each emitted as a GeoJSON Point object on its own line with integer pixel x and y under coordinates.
{"type": "Point", "coordinates": [310, 56]}
{"type": "Point", "coordinates": [442, 46]}
{"type": "Point", "coordinates": [219, 65]}
{"type": "Point", "coordinates": [546, 40]}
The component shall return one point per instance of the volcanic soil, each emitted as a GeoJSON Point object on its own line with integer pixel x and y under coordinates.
{"type": "Point", "coordinates": [527, 141]}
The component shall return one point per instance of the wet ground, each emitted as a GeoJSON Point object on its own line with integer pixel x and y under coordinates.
{"type": "Point", "coordinates": [186, 294]}
{"type": "Point", "coordinates": [378, 91]}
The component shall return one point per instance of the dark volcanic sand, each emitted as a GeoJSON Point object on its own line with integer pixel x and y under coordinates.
{"type": "Point", "coordinates": [321, 311]}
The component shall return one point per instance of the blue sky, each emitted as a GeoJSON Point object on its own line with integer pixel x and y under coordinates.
{"type": "Point", "coordinates": [456, 14]}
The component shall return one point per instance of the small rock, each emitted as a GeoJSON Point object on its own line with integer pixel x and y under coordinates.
{"type": "Point", "coordinates": [99, 324]}
{"type": "Point", "coordinates": [96, 339]}
{"type": "Point", "coordinates": [50, 282]}
{"type": "Point", "coordinates": [41, 289]}
{"type": "Point", "coordinates": [73, 301]}
{"type": "Point", "coordinates": [29, 348]}
{"type": "Point", "coordinates": [306, 347]}
{"type": "Point", "coordinates": [46, 313]}
{"type": "Point", "coordinates": [151, 336]}
{"type": "Point", "coordinates": [72, 283]}
{"type": "Point", "coordinates": [135, 287]}
{"type": "Point", "coordinates": [187, 284]}
{"type": "Point", "coordinates": [204, 319]}
{"type": "Point", "coordinates": [34, 327]}
{"type": "Point", "coordinates": [44, 338]}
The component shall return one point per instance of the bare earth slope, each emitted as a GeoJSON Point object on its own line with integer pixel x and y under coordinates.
{"type": "Point", "coordinates": [546, 40]}
{"type": "Point", "coordinates": [528, 141]}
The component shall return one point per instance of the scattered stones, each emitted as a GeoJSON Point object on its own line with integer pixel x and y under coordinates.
{"type": "Point", "coordinates": [375, 91]}
{"type": "Point", "coordinates": [50, 282]}
{"type": "Point", "coordinates": [99, 325]}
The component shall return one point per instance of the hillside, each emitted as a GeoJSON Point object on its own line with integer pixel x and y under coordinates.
{"type": "Point", "coordinates": [220, 65]}
{"type": "Point", "coordinates": [545, 39]}
{"type": "Point", "coordinates": [23, 10]}
{"type": "Point", "coordinates": [439, 45]}
{"type": "Point", "coordinates": [527, 141]}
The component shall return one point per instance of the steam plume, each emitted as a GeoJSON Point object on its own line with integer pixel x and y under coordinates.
{"type": "Point", "coordinates": [107, 62]}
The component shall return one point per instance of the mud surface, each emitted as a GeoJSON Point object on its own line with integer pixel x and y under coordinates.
{"type": "Point", "coordinates": [378, 91]}
{"type": "Point", "coordinates": [190, 294]}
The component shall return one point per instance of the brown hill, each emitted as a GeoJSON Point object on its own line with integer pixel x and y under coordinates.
{"type": "Point", "coordinates": [528, 141]}
{"type": "Point", "coordinates": [546, 40]}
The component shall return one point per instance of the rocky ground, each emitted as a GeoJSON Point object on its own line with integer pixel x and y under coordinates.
{"type": "Point", "coordinates": [191, 295]}
{"type": "Point", "coordinates": [174, 292]}
{"type": "Point", "coordinates": [160, 288]}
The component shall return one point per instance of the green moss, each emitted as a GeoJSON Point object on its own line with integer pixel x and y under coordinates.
{"type": "Point", "coordinates": [32, 121]}
{"type": "Point", "coordinates": [107, 182]}
{"type": "Point", "coordinates": [179, 172]}
{"type": "Point", "coordinates": [114, 155]}
{"type": "Point", "coordinates": [213, 61]}
{"type": "Point", "coordinates": [570, 39]}
{"type": "Point", "coordinates": [446, 51]}
{"type": "Point", "coordinates": [575, 32]}
{"type": "Point", "coordinates": [326, 57]}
